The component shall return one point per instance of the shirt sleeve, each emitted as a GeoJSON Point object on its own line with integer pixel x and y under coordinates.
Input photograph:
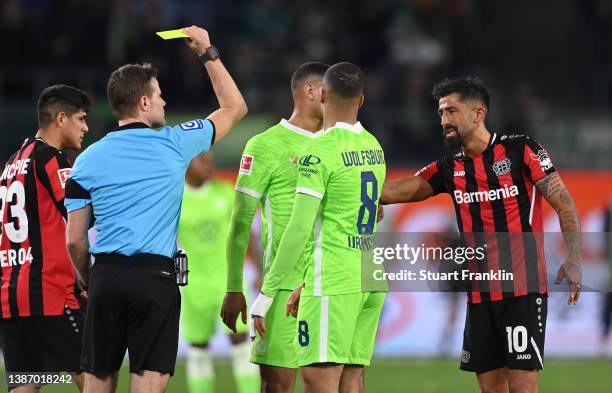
{"type": "Point", "coordinates": [53, 170]}
{"type": "Point", "coordinates": [434, 177]}
{"type": "Point", "coordinates": [244, 210]}
{"type": "Point", "coordinates": [536, 161]}
{"type": "Point", "coordinates": [255, 169]}
{"type": "Point", "coordinates": [193, 137]}
{"type": "Point", "coordinates": [78, 187]}
{"type": "Point", "coordinates": [293, 241]}
{"type": "Point", "coordinates": [313, 171]}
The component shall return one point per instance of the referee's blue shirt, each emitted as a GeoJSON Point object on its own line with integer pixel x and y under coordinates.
{"type": "Point", "coordinates": [134, 179]}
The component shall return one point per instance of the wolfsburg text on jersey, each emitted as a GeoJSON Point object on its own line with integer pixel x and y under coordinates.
{"type": "Point", "coordinates": [363, 157]}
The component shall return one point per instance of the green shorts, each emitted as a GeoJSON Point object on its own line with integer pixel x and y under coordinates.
{"type": "Point", "coordinates": [339, 328]}
{"type": "Point", "coordinates": [201, 316]}
{"type": "Point", "coordinates": [277, 347]}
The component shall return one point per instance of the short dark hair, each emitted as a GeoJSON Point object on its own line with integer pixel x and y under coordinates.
{"type": "Point", "coordinates": [469, 87]}
{"type": "Point", "coordinates": [60, 98]}
{"type": "Point", "coordinates": [126, 85]}
{"type": "Point", "coordinates": [345, 80]}
{"type": "Point", "coordinates": [306, 70]}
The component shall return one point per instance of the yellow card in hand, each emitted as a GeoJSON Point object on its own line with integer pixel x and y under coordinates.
{"type": "Point", "coordinates": [171, 34]}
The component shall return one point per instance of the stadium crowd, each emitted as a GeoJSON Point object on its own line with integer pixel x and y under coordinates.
{"type": "Point", "coordinates": [403, 46]}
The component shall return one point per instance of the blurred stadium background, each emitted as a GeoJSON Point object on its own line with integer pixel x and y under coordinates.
{"type": "Point", "coordinates": [548, 64]}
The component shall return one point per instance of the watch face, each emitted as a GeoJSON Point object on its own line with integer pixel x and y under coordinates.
{"type": "Point", "coordinates": [213, 52]}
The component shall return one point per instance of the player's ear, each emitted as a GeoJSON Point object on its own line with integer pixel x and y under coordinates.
{"type": "Point", "coordinates": [60, 118]}
{"type": "Point", "coordinates": [309, 90]}
{"type": "Point", "coordinates": [480, 114]}
{"type": "Point", "coordinates": [323, 95]}
{"type": "Point", "coordinates": [144, 103]}
{"type": "Point", "coordinates": [361, 100]}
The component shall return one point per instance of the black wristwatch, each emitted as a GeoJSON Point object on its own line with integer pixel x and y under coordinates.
{"type": "Point", "coordinates": [212, 53]}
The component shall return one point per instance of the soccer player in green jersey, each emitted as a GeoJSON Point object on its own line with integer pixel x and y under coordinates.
{"type": "Point", "coordinates": [268, 172]}
{"type": "Point", "coordinates": [340, 176]}
{"type": "Point", "coordinates": [203, 230]}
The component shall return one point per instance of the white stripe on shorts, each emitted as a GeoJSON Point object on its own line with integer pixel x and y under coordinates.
{"type": "Point", "coordinates": [323, 333]}
{"type": "Point", "coordinates": [537, 350]}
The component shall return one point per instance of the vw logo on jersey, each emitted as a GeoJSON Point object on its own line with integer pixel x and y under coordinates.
{"type": "Point", "coordinates": [309, 160]}
{"type": "Point", "coordinates": [502, 167]}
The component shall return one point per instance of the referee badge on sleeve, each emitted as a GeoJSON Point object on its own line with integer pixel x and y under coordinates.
{"type": "Point", "coordinates": [192, 125]}
{"type": "Point", "coordinates": [246, 164]}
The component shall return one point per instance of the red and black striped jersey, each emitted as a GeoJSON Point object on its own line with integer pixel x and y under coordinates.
{"type": "Point", "coordinates": [37, 275]}
{"type": "Point", "coordinates": [498, 205]}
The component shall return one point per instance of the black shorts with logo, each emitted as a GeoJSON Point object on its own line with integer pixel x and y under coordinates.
{"type": "Point", "coordinates": [43, 343]}
{"type": "Point", "coordinates": [134, 304]}
{"type": "Point", "coordinates": [505, 333]}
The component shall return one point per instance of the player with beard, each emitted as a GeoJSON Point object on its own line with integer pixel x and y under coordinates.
{"type": "Point", "coordinates": [497, 183]}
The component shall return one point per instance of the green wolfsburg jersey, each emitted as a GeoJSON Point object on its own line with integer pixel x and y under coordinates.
{"type": "Point", "coordinates": [268, 172]}
{"type": "Point", "coordinates": [345, 167]}
{"type": "Point", "coordinates": [203, 231]}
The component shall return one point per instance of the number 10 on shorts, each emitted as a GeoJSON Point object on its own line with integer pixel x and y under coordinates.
{"type": "Point", "coordinates": [517, 338]}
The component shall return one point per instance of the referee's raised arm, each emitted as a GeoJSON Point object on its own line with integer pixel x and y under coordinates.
{"type": "Point", "coordinates": [232, 106]}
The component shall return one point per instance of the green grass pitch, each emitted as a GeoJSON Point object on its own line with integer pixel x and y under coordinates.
{"type": "Point", "coordinates": [423, 376]}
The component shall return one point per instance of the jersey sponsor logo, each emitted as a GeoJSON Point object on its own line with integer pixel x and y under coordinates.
{"type": "Point", "coordinates": [310, 160]}
{"type": "Point", "coordinates": [19, 167]}
{"type": "Point", "coordinates": [192, 125]}
{"type": "Point", "coordinates": [465, 356]}
{"type": "Point", "coordinates": [246, 164]}
{"type": "Point", "coordinates": [523, 356]}
{"type": "Point", "coordinates": [62, 174]}
{"type": "Point", "coordinates": [485, 196]}
{"type": "Point", "coordinates": [457, 173]}
{"type": "Point", "coordinates": [502, 167]}
{"type": "Point", "coordinates": [543, 158]}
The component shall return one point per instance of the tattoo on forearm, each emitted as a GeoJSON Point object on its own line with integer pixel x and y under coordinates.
{"type": "Point", "coordinates": [565, 197]}
{"type": "Point", "coordinates": [553, 189]}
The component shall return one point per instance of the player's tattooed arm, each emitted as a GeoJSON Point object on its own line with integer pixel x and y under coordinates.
{"type": "Point", "coordinates": [557, 195]}
{"type": "Point", "coordinates": [408, 189]}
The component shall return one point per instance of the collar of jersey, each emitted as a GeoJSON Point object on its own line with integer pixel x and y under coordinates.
{"type": "Point", "coordinates": [130, 126]}
{"type": "Point", "coordinates": [299, 130]}
{"type": "Point", "coordinates": [356, 128]}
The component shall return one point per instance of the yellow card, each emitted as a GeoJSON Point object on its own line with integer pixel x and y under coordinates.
{"type": "Point", "coordinates": [171, 34]}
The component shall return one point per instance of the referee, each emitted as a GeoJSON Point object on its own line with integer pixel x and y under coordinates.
{"type": "Point", "coordinates": [133, 180]}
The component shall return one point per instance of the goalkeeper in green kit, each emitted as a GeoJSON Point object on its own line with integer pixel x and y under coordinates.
{"type": "Point", "coordinates": [203, 230]}
{"type": "Point", "coordinates": [340, 177]}
{"type": "Point", "coordinates": [267, 176]}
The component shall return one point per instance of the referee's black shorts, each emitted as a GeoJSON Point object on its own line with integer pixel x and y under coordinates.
{"type": "Point", "coordinates": [134, 304]}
